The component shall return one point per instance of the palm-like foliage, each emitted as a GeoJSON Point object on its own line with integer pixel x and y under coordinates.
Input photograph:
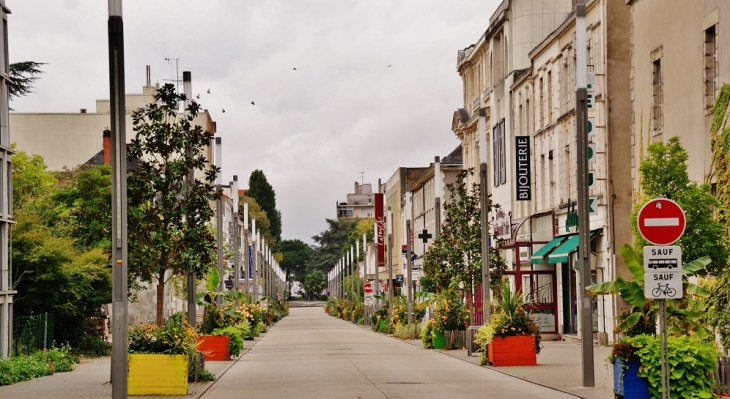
{"type": "Point", "coordinates": [641, 317]}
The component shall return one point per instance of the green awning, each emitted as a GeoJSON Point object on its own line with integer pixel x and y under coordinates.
{"type": "Point", "coordinates": [537, 257]}
{"type": "Point", "coordinates": [562, 252]}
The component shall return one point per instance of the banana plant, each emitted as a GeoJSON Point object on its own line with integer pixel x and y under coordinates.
{"type": "Point", "coordinates": [641, 318]}
{"type": "Point", "coordinates": [215, 315]}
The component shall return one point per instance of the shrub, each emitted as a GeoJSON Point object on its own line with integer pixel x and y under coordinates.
{"type": "Point", "coordinates": [427, 334]}
{"type": "Point", "coordinates": [235, 339]}
{"type": "Point", "coordinates": [41, 363]}
{"type": "Point", "coordinates": [406, 331]}
{"type": "Point", "coordinates": [91, 346]}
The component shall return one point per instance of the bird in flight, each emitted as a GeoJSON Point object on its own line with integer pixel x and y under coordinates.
{"type": "Point", "coordinates": [252, 103]}
{"type": "Point", "coordinates": [389, 66]}
{"type": "Point", "coordinates": [197, 97]}
{"type": "Point", "coordinates": [208, 91]}
{"type": "Point", "coordinates": [224, 110]}
{"type": "Point", "coordinates": [295, 69]}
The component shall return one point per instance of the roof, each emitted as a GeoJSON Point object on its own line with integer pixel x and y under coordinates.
{"type": "Point", "coordinates": [98, 159]}
{"type": "Point", "coordinates": [456, 157]}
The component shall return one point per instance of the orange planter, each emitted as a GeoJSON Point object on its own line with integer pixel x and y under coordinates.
{"type": "Point", "coordinates": [512, 351]}
{"type": "Point", "coordinates": [215, 347]}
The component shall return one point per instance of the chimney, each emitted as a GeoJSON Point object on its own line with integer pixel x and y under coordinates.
{"type": "Point", "coordinates": [107, 151]}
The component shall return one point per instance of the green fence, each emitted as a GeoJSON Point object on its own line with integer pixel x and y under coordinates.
{"type": "Point", "coordinates": [32, 333]}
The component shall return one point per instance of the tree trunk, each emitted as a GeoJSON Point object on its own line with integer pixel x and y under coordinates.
{"type": "Point", "coordinates": [160, 299]}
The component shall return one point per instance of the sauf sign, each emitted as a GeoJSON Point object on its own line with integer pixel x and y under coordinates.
{"type": "Point", "coordinates": [522, 168]}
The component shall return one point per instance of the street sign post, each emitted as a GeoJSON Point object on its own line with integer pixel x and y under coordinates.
{"type": "Point", "coordinates": [662, 272]}
{"type": "Point", "coordinates": [661, 221]}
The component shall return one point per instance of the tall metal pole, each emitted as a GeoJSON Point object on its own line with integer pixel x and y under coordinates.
{"type": "Point", "coordinates": [246, 244]}
{"type": "Point", "coordinates": [408, 272]}
{"type": "Point", "coordinates": [219, 217]}
{"type": "Point", "coordinates": [352, 273]}
{"type": "Point", "coordinates": [484, 204]}
{"type": "Point", "coordinates": [255, 263]}
{"type": "Point", "coordinates": [437, 189]}
{"type": "Point", "coordinates": [389, 249]}
{"type": "Point", "coordinates": [236, 246]}
{"type": "Point", "coordinates": [119, 199]}
{"type": "Point", "coordinates": [581, 124]}
{"type": "Point", "coordinates": [376, 288]}
{"type": "Point", "coordinates": [357, 266]}
{"type": "Point", "coordinates": [663, 349]}
{"type": "Point", "coordinates": [191, 283]}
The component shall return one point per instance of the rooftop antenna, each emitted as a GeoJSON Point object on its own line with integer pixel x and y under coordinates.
{"type": "Point", "coordinates": [362, 177]}
{"type": "Point", "coordinates": [175, 72]}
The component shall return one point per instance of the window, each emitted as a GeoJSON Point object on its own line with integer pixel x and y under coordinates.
{"type": "Point", "coordinates": [541, 105]}
{"type": "Point", "coordinates": [657, 82]}
{"type": "Point", "coordinates": [498, 154]}
{"type": "Point", "coordinates": [550, 96]}
{"type": "Point", "coordinates": [710, 66]}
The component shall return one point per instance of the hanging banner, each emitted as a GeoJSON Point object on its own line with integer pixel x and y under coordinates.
{"type": "Point", "coordinates": [250, 261]}
{"type": "Point", "coordinates": [522, 168]}
{"type": "Point", "coordinates": [380, 228]}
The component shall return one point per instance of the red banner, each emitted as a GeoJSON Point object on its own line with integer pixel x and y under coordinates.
{"type": "Point", "coordinates": [380, 228]}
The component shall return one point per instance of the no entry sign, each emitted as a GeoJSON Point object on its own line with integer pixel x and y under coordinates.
{"type": "Point", "coordinates": [661, 221]}
{"type": "Point", "coordinates": [367, 288]}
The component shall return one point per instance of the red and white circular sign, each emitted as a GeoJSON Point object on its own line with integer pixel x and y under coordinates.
{"type": "Point", "coordinates": [661, 221]}
{"type": "Point", "coordinates": [367, 288]}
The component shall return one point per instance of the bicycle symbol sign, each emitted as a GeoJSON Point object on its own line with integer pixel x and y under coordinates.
{"type": "Point", "coordinates": [663, 272]}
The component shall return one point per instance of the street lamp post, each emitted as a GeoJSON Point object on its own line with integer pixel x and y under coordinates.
{"type": "Point", "coordinates": [236, 246]}
{"type": "Point", "coordinates": [219, 217]}
{"type": "Point", "coordinates": [119, 199]}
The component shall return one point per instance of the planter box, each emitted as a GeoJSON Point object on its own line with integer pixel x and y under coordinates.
{"type": "Point", "coordinates": [512, 351]}
{"type": "Point", "coordinates": [152, 374]}
{"type": "Point", "coordinates": [215, 347]}
{"type": "Point", "coordinates": [438, 341]}
{"type": "Point", "coordinates": [626, 382]}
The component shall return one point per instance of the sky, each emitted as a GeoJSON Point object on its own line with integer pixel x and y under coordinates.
{"type": "Point", "coordinates": [374, 89]}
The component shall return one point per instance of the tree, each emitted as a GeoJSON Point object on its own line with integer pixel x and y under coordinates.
{"type": "Point", "coordinates": [314, 283]}
{"type": "Point", "coordinates": [330, 244]}
{"type": "Point", "coordinates": [262, 220]}
{"type": "Point", "coordinates": [49, 272]}
{"type": "Point", "coordinates": [22, 76]}
{"type": "Point", "coordinates": [455, 258]}
{"type": "Point", "coordinates": [260, 189]}
{"type": "Point", "coordinates": [88, 199]}
{"type": "Point", "coordinates": [295, 256]}
{"type": "Point", "coordinates": [664, 174]}
{"type": "Point", "coordinates": [168, 213]}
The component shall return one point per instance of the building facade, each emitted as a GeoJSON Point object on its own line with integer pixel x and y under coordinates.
{"type": "Point", "coordinates": [678, 65]}
{"type": "Point", "coordinates": [359, 204]}
{"type": "Point", "coordinates": [528, 102]}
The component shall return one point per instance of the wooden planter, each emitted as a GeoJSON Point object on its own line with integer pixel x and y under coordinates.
{"type": "Point", "coordinates": [512, 351]}
{"type": "Point", "coordinates": [152, 374]}
{"type": "Point", "coordinates": [215, 347]}
{"type": "Point", "coordinates": [626, 381]}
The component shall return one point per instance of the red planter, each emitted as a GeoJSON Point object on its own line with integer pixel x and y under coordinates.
{"type": "Point", "coordinates": [215, 347]}
{"type": "Point", "coordinates": [513, 351]}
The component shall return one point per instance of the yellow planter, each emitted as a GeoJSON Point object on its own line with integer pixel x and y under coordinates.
{"type": "Point", "coordinates": [151, 374]}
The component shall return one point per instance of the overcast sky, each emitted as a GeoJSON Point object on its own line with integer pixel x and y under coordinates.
{"type": "Point", "coordinates": [375, 85]}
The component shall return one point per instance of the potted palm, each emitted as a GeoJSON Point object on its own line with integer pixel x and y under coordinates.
{"type": "Point", "coordinates": [215, 338]}
{"type": "Point", "coordinates": [640, 321]}
{"type": "Point", "coordinates": [511, 337]}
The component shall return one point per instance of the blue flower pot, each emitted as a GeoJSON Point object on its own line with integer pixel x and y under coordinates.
{"type": "Point", "coordinates": [626, 381]}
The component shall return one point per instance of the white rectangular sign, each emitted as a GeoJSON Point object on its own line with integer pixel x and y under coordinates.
{"type": "Point", "coordinates": [663, 272]}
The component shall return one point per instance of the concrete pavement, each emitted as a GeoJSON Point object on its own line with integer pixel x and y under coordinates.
{"type": "Point", "coordinates": [310, 354]}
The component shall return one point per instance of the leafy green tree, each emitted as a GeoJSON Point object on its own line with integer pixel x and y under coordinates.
{"type": "Point", "coordinates": [260, 189]}
{"type": "Point", "coordinates": [49, 272]}
{"type": "Point", "coordinates": [262, 220]}
{"type": "Point", "coordinates": [664, 174]}
{"type": "Point", "coordinates": [168, 213]}
{"type": "Point", "coordinates": [22, 76]}
{"type": "Point", "coordinates": [364, 226]}
{"type": "Point", "coordinates": [455, 258]}
{"type": "Point", "coordinates": [295, 256]}
{"type": "Point", "coordinates": [330, 244]}
{"type": "Point", "coordinates": [314, 283]}
{"type": "Point", "coordinates": [89, 202]}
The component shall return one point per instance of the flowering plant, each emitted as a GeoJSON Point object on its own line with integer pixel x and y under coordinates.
{"type": "Point", "coordinates": [450, 312]}
{"type": "Point", "coordinates": [175, 337]}
{"type": "Point", "coordinates": [509, 318]}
